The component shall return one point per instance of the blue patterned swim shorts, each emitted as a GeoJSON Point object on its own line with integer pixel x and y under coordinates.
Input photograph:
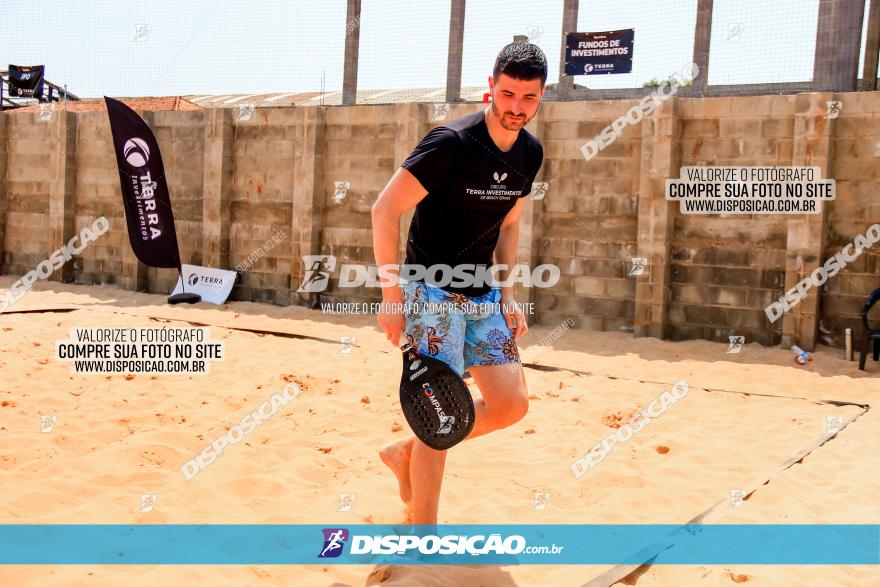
{"type": "Point", "coordinates": [459, 330]}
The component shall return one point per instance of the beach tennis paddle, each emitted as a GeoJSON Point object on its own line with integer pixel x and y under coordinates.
{"type": "Point", "coordinates": [436, 402]}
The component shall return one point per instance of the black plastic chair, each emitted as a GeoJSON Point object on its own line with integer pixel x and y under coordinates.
{"type": "Point", "coordinates": [868, 333]}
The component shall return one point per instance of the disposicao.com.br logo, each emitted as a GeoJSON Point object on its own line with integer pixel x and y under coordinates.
{"type": "Point", "coordinates": [334, 540]}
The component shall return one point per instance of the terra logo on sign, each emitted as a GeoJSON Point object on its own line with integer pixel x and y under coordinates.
{"type": "Point", "coordinates": [136, 152]}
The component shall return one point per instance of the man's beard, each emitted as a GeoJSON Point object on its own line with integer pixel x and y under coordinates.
{"type": "Point", "coordinates": [505, 123]}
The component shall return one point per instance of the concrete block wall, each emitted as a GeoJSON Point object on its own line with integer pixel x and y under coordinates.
{"type": "Point", "coordinates": [855, 166]}
{"type": "Point", "coordinates": [588, 218]}
{"type": "Point", "coordinates": [359, 148]}
{"type": "Point", "coordinates": [27, 182]}
{"type": "Point", "coordinates": [181, 138]}
{"type": "Point", "coordinates": [727, 269]}
{"type": "Point", "coordinates": [97, 194]}
{"type": "Point", "coordinates": [237, 181]}
{"type": "Point", "coordinates": [260, 196]}
{"type": "Point", "coordinates": [4, 202]}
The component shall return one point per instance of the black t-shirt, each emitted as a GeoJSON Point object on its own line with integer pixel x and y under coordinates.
{"type": "Point", "coordinates": [471, 185]}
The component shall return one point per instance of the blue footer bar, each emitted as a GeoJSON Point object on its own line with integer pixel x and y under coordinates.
{"type": "Point", "coordinates": [504, 544]}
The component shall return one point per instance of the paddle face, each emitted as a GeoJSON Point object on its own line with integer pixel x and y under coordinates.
{"type": "Point", "coordinates": [436, 402]}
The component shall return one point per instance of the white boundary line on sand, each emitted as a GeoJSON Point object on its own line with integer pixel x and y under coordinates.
{"type": "Point", "coordinates": [618, 572]}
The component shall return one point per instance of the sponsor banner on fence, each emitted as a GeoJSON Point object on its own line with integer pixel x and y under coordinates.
{"type": "Point", "coordinates": [599, 53]}
{"type": "Point", "coordinates": [26, 81]}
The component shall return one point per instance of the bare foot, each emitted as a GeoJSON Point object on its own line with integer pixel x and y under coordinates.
{"type": "Point", "coordinates": [406, 516]}
{"type": "Point", "coordinates": [396, 455]}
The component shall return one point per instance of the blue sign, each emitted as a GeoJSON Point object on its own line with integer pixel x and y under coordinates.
{"type": "Point", "coordinates": [599, 53]}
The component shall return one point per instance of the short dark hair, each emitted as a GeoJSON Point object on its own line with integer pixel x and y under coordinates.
{"type": "Point", "coordinates": [523, 61]}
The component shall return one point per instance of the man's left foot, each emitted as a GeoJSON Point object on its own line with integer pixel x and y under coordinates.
{"type": "Point", "coordinates": [396, 456]}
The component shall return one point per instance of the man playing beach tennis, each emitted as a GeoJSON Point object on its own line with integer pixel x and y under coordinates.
{"type": "Point", "coordinates": [467, 180]}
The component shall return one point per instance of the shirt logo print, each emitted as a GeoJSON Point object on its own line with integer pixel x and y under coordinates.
{"type": "Point", "coordinates": [499, 179]}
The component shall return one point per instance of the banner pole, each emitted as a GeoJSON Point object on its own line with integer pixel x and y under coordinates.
{"type": "Point", "coordinates": [183, 296]}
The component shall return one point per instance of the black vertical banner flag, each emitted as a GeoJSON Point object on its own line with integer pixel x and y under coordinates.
{"type": "Point", "coordinates": [144, 189]}
{"type": "Point", "coordinates": [26, 82]}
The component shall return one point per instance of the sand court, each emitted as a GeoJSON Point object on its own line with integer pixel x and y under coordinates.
{"type": "Point", "coordinates": [747, 419]}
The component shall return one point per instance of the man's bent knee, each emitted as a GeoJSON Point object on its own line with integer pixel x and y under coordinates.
{"type": "Point", "coordinates": [512, 412]}
{"type": "Point", "coordinates": [506, 398]}
{"type": "Point", "coordinates": [521, 408]}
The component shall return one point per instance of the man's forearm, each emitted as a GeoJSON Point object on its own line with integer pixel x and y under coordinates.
{"type": "Point", "coordinates": [505, 254]}
{"type": "Point", "coordinates": [386, 239]}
